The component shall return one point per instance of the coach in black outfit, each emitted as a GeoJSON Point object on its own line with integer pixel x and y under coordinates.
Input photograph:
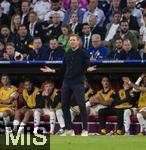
{"type": "Point", "coordinates": [75, 64]}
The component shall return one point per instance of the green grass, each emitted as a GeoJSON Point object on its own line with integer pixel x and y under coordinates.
{"type": "Point", "coordinates": [98, 143]}
{"type": "Point", "coordinates": [82, 143]}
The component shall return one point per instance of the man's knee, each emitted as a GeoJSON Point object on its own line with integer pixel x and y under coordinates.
{"type": "Point", "coordinates": [127, 112]}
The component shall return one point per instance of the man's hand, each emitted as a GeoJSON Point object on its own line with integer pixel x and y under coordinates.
{"type": "Point", "coordinates": [126, 79]}
{"type": "Point", "coordinates": [90, 69]}
{"type": "Point", "coordinates": [143, 75]}
{"type": "Point", "coordinates": [47, 69]}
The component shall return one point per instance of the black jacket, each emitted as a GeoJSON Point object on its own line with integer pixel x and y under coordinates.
{"type": "Point", "coordinates": [74, 66]}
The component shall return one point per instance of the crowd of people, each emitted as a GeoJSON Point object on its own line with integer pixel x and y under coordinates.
{"type": "Point", "coordinates": [40, 29]}
{"type": "Point", "coordinates": [46, 100]}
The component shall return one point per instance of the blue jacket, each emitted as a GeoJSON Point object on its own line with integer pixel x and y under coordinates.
{"type": "Point", "coordinates": [101, 53]}
{"type": "Point", "coordinates": [68, 13]}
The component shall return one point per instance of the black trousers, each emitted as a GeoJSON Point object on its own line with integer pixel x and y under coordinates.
{"type": "Point", "coordinates": [78, 91]}
{"type": "Point", "coordinates": [103, 113]}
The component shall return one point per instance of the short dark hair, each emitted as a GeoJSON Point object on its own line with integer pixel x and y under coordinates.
{"type": "Point", "coordinates": [22, 25]}
{"type": "Point", "coordinates": [50, 81]}
{"type": "Point", "coordinates": [27, 80]}
{"type": "Point", "coordinates": [4, 26]}
{"type": "Point", "coordinates": [36, 38]}
{"type": "Point", "coordinates": [123, 20]}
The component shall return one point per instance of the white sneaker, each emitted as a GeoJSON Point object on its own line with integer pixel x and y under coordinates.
{"type": "Point", "coordinates": [68, 133]}
{"type": "Point", "coordinates": [84, 133]}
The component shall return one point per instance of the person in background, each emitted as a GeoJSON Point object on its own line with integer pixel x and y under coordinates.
{"type": "Point", "coordinates": [133, 23]}
{"type": "Point", "coordinates": [95, 29]}
{"type": "Point", "coordinates": [117, 53]}
{"type": "Point", "coordinates": [34, 27]}
{"type": "Point", "coordinates": [86, 37]}
{"type": "Point", "coordinates": [130, 53]}
{"type": "Point", "coordinates": [48, 102]}
{"type": "Point", "coordinates": [15, 23]}
{"type": "Point", "coordinates": [42, 7]}
{"type": "Point", "coordinates": [74, 7]}
{"type": "Point", "coordinates": [22, 41]}
{"type": "Point", "coordinates": [94, 10]}
{"type": "Point", "coordinates": [98, 51]}
{"type": "Point", "coordinates": [11, 54]}
{"type": "Point", "coordinates": [6, 35]}
{"type": "Point", "coordinates": [25, 8]}
{"type": "Point", "coordinates": [55, 9]}
{"type": "Point", "coordinates": [38, 52]}
{"type": "Point", "coordinates": [63, 39]}
{"type": "Point", "coordinates": [75, 26]}
{"type": "Point", "coordinates": [55, 51]}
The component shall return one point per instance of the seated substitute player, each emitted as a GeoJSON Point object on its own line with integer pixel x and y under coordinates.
{"type": "Point", "coordinates": [49, 103]}
{"type": "Point", "coordinates": [30, 93]}
{"type": "Point", "coordinates": [88, 93]}
{"type": "Point", "coordinates": [141, 115]}
{"type": "Point", "coordinates": [93, 105]}
{"type": "Point", "coordinates": [116, 105]}
{"type": "Point", "coordinates": [134, 109]}
{"type": "Point", "coordinates": [8, 100]}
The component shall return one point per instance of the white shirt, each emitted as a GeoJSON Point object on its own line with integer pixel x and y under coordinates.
{"type": "Point", "coordinates": [138, 14]}
{"type": "Point", "coordinates": [31, 28]}
{"type": "Point", "coordinates": [73, 27]}
{"type": "Point", "coordinates": [143, 32]}
{"type": "Point", "coordinates": [41, 8]}
{"type": "Point", "coordinates": [98, 13]}
{"type": "Point", "coordinates": [5, 5]}
{"type": "Point", "coordinates": [112, 31]}
{"type": "Point", "coordinates": [61, 12]}
{"type": "Point", "coordinates": [22, 18]}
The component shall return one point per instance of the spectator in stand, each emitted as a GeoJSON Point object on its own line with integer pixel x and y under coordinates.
{"type": "Point", "coordinates": [11, 54]}
{"type": "Point", "coordinates": [38, 52]}
{"type": "Point", "coordinates": [130, 53]}
{"type": "Point", "coordinates": [15, 7]}
{"type": "Point", "coordinates": [117, 53]}
{"type": "Point", "coordinates": [112, 27]}
{"type": "Point", "coordinates": [55, 8]}
{"type": "Point", "coordinates": [125, 33]}
{"type": "Point", "coordinates": [94, 10]}
{"type": "Point", "coordinates": [142, 38]}
{"type": "Point", "coordinates": [114, 7]}
{"type": "Point", "coordinates": [74, 7]}
{"type": "Point", "coordinates": [95, 29]}
{"type": "Point", "coordinates": [98, 51]}
{"type": "Point", "coordinates": [56, 52]}
{"type": "Point", "coordinates": [75, 26]}
{"type": "Point", "coordinates": [86, 38]}
{"type": "Point", "coordinates": [133, 23]}
{"type": "Point", "coordinates": [4, 19]}
{"type": "Point", "coordinates": [63, 39]}
{"type": "Point", "coordinates": [2, 47]}
{"type": "Point", "coordinates": [23, 39]}
{"type": "Point", "coordinates": [131, 4]}
{"type": "Point", "coordinates": [6, 35]}
{"type": "Point", "coordinates": [5, 5]}
{"type": "Point", "coordinates": [54, 29]}
{"type": "Point", "coordinates": [42, 7]}
{"type": "Point", "coordinates": [25, 8]}
{"type": "Point", "coordinates": [143, 28]}
{"type": "Point", "coordinates": [15, 23]}
{"type": "Point", "coordinates": [35, 28]}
